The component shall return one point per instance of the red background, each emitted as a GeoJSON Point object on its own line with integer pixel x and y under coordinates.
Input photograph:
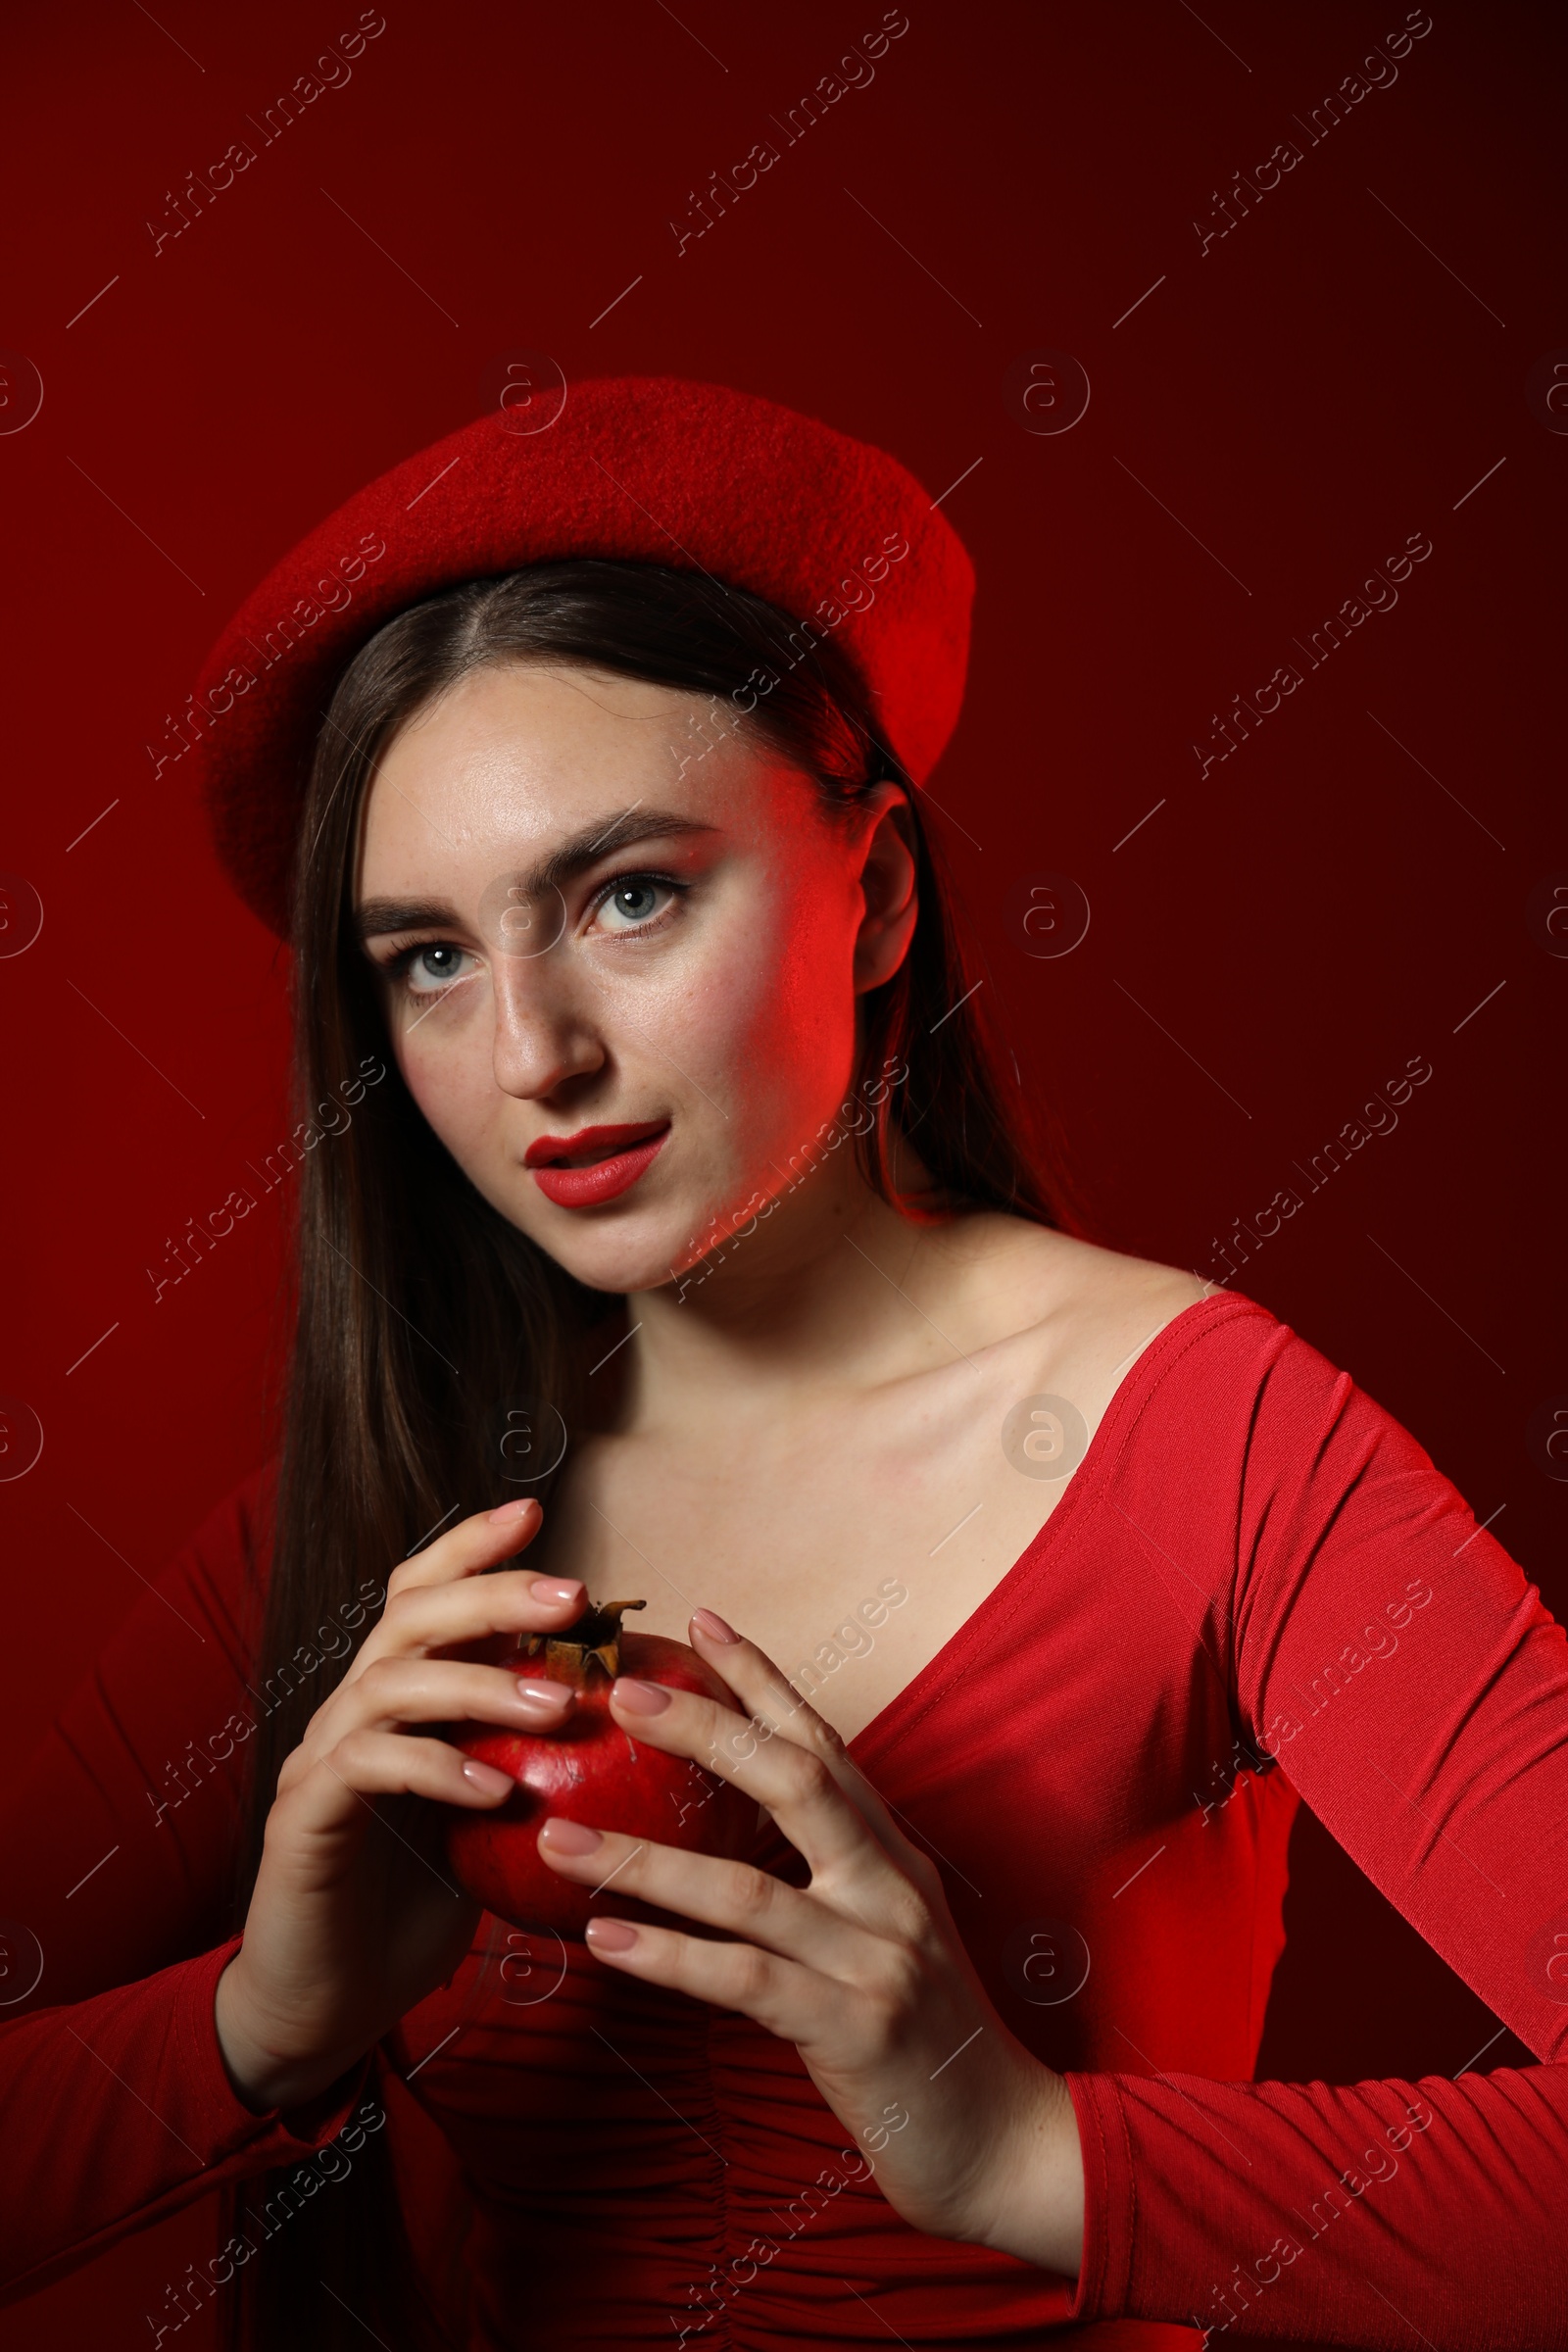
{"type": "Point", "coordinates": [1275, 418]}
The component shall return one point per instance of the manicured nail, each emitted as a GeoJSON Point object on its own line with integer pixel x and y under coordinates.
{"type": "Point", "coordinates": [555, 1695]}
{"type": "Point", "coordinates": [714, 1626]}
{"type": "Point", "coordinates": [564, 1837]}
{"type": "Point", "coordinates": [611, 1935]}
{"type": "Point", "coordinates": [640, 1698]}
{"type": "Point", "coordinates": [557, 1588]}
{"type": "Point", "coordinates": [509, 1510]}
{"type": "Point", "coordinates": [485, 1778]}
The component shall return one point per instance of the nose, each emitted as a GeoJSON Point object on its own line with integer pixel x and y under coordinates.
{"type": "Point", "coordinates": [543, 1035]}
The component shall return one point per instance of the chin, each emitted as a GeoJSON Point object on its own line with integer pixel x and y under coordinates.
{"type": "Point", "coordinates": [619, 1247]}
{"type": "Point", "coordinates": [612, 1261]}
{"type": "Point", "coordinates": [650, 1235]}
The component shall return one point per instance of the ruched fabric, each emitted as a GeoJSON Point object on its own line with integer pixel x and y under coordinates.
{"type": "Point", "coordinates": [1255, 1588]}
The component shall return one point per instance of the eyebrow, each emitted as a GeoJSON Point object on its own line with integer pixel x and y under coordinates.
{"type": "Point", "coordinates": [600, 839]}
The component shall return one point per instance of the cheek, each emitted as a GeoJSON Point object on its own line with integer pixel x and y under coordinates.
{"type": "Point", "coordinates": [448, 1065]}
{"type": "Point", "coordinates": [770, 1012]}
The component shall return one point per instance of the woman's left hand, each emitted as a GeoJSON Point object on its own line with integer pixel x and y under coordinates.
{"type": "Point", "coordinates": [970, 2136]}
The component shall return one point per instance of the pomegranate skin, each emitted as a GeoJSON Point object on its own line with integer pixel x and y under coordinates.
{"type": "Point", "coordinates": [594, 1772]}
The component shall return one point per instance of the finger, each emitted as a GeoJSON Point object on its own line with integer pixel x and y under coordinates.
{"type": "Point", "coordinates": [473, 1545]}
{"type": "Point", "coordinates": [772, 1699]}
{"type": "Point", "coordinates": [328, 1792]}
{"type": "Point", "coordinates": [438, 1616]}
{"type": "Point", "coordinates": [849, 1862]}
{"type": "Point", "coordinates": [414, 1690]}
{"type": "Point", "coordinates": [791, 2001]}
{"type": "Point", "coordinates": [721, 1894]}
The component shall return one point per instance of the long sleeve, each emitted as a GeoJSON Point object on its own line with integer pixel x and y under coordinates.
{"type": "Point", "coordinates": [1391, 1658]}
{"type": "Point", "coordinates": [117, 1848]}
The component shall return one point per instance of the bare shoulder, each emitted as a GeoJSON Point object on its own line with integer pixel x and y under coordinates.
{"type": "Point", "coordinates": [1050, 1297]}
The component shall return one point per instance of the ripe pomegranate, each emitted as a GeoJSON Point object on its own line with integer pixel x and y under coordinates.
{"type": "Point", "coordinates": [590, 1771]}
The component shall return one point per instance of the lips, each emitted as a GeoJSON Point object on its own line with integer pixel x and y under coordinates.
{"type": "Point", "coordinates": [595, 1164]}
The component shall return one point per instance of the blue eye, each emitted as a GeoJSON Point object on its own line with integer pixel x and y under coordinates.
{"type": "Point", "coordinates": [424, 971]}
{"type": "Point", "coordinates": [637, 901]}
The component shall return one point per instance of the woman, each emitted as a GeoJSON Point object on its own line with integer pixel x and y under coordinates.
{"type": "Point", "coordinates": [677, 1158]}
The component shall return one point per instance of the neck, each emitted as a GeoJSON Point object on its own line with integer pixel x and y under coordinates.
{"type": "Point", "coordinates": [813, 1295]}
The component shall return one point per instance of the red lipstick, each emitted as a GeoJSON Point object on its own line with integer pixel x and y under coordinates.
{"type": "Point", "coordinates": [595, 1164]}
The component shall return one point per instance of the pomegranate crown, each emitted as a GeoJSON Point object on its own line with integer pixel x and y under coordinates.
{"type": "Point", "coordinates": [592, 1639]}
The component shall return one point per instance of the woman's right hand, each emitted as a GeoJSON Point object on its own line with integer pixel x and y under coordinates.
{"type": "Point", "coordinates": [354, 1917]}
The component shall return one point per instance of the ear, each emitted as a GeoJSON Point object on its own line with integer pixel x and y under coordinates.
{"type": "Point", "coordinates": [887, 888]}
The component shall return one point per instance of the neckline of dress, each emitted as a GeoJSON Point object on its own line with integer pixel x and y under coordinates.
{"type": "Point", "coordinates": [889, 1723]}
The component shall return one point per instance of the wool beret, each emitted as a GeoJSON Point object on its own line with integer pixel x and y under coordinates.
{"type": "Point", "coordinates": [650, 469]}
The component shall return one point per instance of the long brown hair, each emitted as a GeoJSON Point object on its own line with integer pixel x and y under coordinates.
{"type": "Point", "coordinates": [418, 1309]}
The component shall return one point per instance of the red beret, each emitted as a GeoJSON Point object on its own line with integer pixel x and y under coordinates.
{"type": "Point", "coordinates": [649, 469]}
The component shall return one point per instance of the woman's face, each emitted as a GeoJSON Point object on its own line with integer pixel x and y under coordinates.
{"type": "Point", "coordinates": [620, 947]}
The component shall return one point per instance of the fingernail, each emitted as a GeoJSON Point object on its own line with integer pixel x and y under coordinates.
{"type": "Point", "coordinates": [542, 1694]}
{"type": "Point", "coordinates": [714, 1626]}
{"type": "Point", "coordinates": [509, 1510]}
{"type": "Point", "coordinates": [557, 1587]}
{"type": "Point", "coordinates": [564, 1837]}
{"type": "Point", "coordinates": [611, 1935]}
{"type": "Point", "coordinates": [485, 1778]}
{"type": "Point", "coordinates": [640, 1698]}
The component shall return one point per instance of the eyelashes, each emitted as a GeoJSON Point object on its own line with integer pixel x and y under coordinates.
{"type": "Point", "coordinates": [625, 885]}
{"type": "Point", "coordinates": [399, 968]}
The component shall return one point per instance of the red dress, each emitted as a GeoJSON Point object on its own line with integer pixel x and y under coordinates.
{"type": "Point", "coordinates": [1256, 1585]}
